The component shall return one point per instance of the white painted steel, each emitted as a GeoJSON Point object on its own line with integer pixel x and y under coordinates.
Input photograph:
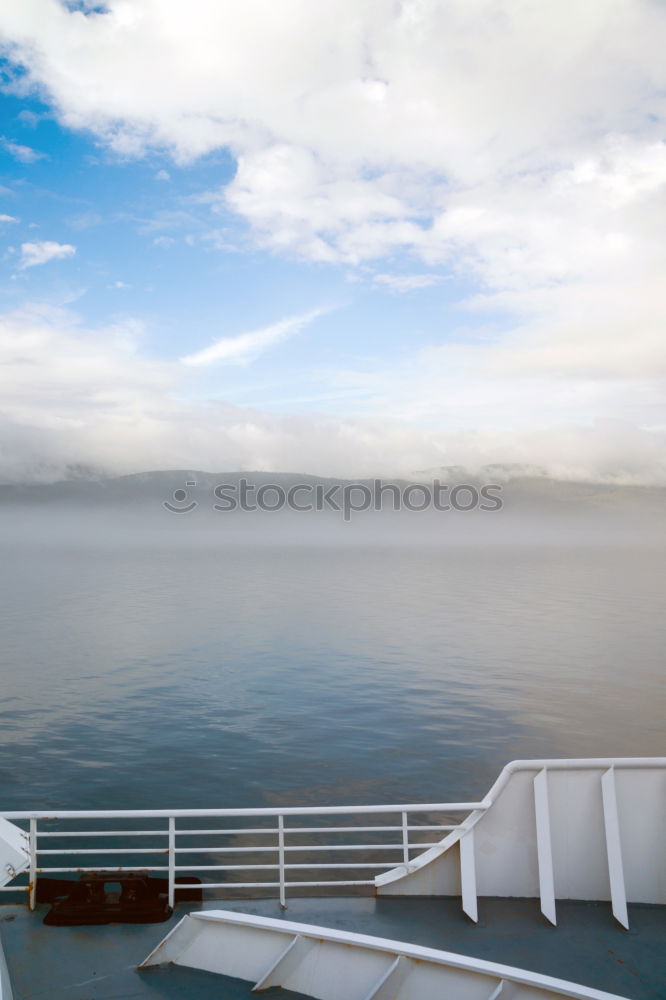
{"type": "Point", "coordinates": [286, 964]}
{"type": "Point", "coordinates": [14, 851]}
{"type": "Point", "coordinates": [422, 807]}
{"type": "Point", "coordinates": [614, 848]}
{"type": "Point", "coordinates": [468, 875]}
{"type": "Point", "coordinates": [281, 861]}
{"type": "Point", "coordinates": [544, 847]}
{"type": "Point", "coordinates": [77, 858]}
{"type": "Point", "coordinates": [555, 829]}
{"type": "Point", "coordinates": [388, 985]}
{"type": "Point", "coordinates": [32, 848]}
{"type": "Point", "coordinates": [567, 829]}
{"type": "Point", "coordinates": [330, 964]}
{"type": "Point", "coordinates": [172, 861]}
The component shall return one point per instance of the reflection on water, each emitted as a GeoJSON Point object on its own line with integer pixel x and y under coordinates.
{"type": "Point", "coordinates": [247, 676]}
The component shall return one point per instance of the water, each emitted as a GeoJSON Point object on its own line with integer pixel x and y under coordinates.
{"type": "Point", "coordinates": [260, 675]}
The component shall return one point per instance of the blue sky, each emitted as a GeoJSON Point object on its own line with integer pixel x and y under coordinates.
{"type": "Point", "coordinates": [287, 249]}
{"type": "Point", "coordinates": [148, 249]}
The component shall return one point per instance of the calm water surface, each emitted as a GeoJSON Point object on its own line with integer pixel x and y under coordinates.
{"type": "Point", "coordinates": [154, 677]}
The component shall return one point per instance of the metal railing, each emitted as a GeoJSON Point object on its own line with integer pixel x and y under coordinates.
{"type": "Point", "coordinates": [293, 857]}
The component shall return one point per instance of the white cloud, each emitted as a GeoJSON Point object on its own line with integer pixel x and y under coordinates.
{"type": "Point", "coordinates": [245, 347]}
{"type": "Point", "coordinates": [484, 137]}
{"type": "Point", "coordinates": [34, 254]}
{"type": "Point", "coordinates": [406, 282]}
{"type": "Point", "coordinates": [162, 175]}
{"type": "Point", "coordinates": [8, 218]}
{"type": "Point", "coordinates": [24, 154]}
{"type": "Point", "coordinates": [517, 146]}
{"type": "Point", "coordinates": [30, 118]}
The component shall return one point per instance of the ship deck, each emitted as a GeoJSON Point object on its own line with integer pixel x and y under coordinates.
{"type": "Point", "coordinates": [587, 946]}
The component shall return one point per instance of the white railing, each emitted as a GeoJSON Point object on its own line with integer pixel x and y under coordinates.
{"type": "Point", "coordinates": [294, 854]}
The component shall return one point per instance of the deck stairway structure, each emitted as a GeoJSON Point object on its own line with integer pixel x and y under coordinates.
{"type": "Point", "coordinates": [337, 965]}
{"type": "Point", "coordinates": [553, 829]}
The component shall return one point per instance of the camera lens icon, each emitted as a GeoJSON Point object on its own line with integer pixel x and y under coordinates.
{"type": "Point", "coordinates": [181, 503]}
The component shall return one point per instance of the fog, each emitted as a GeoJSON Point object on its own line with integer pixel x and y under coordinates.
{"type": "Point", "coordinates": [134, 511]}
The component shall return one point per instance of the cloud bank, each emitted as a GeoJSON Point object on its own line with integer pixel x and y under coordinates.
{"type": "Point", "coordinates": [76, 397]}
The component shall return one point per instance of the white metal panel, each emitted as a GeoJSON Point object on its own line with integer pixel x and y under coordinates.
{"type": "Point", "coordinates": [641, 805]}
{"type": "Point", "coordinates": [198, 944]}
{"type": "Point", "coordinates": [544, 846]}
{"type": "Point", "coordinates": [330, 964]}
{"type": "Point", "coordinates": [393, 980]}
{"type": "Point", "coordinates": [577, 832]}
{"type": "Point", "coordinates": [328, 971]}
{"type": "Point", "coordinates": [14, 851]}
{"type": "Point", "coordinates": [506, 847]}
{"type": "Point", "coordinates": [468, 875]}
{"type": "Point", "coordinates": [614, 848]}
{"type": "Point", "coordinates": [543, 832]}
{"type": "Point", "coordinates": [441, 879]}
{"type": "Point", "coordinates": [430, 980]}
{"type": "Point", "coordinates": [289, 956]}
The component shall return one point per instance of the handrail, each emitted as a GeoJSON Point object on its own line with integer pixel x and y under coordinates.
{"type": "Point", "coordinates": [272, 811]}
{"type": "Point", "coordinates": [286, 841]}
{"type": "Point", "coordinates": [279, 850]}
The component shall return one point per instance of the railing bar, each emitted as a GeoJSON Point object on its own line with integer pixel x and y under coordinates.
{"type": "Point", "coordinates": [249, 868]}
{"type": "Point", "coordinates": [171, 830]}
{"type": "Point", "coordinates": [108, 850]}
{"type": "Point", "coordinates": [195, 868]}
{"type": "Point", "coordinates": [102, 833]}
{"type": "Point", "coordinates": [296, 829]}
{"type": "Point", "coordinates": [317, 884]}
{"type": "Point", "coordinates": [251, 850]}
{"type": "Point", "coordinates": [32, 884]}
{"type": "Point", "coordinates": [340, 867]}
{"type": "Point", "coordinates": [441, 807]}
{"type": "Point", "coordinates": [405, 839]}
{"type": "Point", "coordinates": [229, 831]}
{"type": "Point", "coordinates": [281, 862]}
{"type": "Point", "coordinates": [15, 888]}
{"type": "Point", "coordinates": [120, 868]}
{"type": "Point", "coordinates": [230, 885]}
{"type": "Point", "coordinates": [299, 847]}
{"type": "Point", "coordinates": [243, 832]}
{"type": "Point", "coordinates": [263, 885]}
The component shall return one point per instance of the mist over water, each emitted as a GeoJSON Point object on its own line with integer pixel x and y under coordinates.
{"type": "Point", "coordinates": [153, 661]}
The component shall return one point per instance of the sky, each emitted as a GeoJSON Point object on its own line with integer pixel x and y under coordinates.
{"type": "Point", "coordinates": [367, 237]}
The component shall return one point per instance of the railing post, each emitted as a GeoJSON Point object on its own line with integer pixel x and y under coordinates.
{"type": "Point", "coordinates": [283, 892]}
{"type": "Point", "coordinates": [405, 838]}
{"type": "Point", "coordinates": [32, 893]}
{"type": "Point", "coordinates": [172, 861]}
